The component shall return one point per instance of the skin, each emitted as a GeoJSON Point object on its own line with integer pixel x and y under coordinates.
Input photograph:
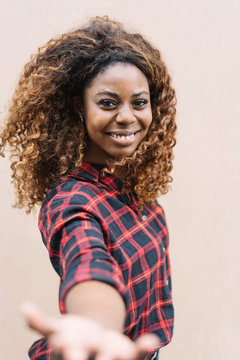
{"type": "Point", "coordinates": [118, 114]}
{"type": "Point", "coordinates": [117, 111]}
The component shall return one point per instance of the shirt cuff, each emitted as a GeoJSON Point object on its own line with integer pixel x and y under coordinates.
{"type": "Point", "coordinates": [98, 270]}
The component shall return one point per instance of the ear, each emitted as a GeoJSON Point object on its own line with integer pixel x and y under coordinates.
{"type": "Point", "coordinates": [77, 105]}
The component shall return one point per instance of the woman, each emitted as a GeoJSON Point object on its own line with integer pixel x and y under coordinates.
{"type": "Point", "coordinates": [91, 130]}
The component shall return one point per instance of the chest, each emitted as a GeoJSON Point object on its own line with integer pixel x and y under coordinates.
{"type": "Point", "coordinates": [136, 239]}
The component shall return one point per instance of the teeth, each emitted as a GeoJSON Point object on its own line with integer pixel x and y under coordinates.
{"type": "Point", "coordinates": [122, 137]}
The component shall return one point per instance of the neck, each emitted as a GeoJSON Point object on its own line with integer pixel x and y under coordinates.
{"type": "Point", "coordinates": [119, 172]}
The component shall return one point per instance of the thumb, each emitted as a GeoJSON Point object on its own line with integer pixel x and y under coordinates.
{"type": "Point", "coordinates": [37, 320]}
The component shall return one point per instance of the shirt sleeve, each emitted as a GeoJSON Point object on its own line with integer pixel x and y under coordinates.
{"type": "Point", "coordinates": [77, 241]}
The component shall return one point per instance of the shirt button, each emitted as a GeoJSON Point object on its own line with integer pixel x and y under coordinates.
{"type": "Point", "coordinates": [144, 218]}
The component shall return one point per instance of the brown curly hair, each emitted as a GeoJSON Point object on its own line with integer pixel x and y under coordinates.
{"type": "Point", "coordinates": [44, 133]}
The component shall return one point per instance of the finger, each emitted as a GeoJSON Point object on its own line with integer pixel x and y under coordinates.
{"type": "Point", "coordinates": [67, 350]}
{"type": "Point", "coordinates": [75, 354]}
{"type": "Point", "coordinates": [37, 320]}
{"type": "Point", "coordinates": [103, 357]}
{"type": "Point", "coordinates": [145, 344]}
{"type": "Point", "coordinates": [116, 346]}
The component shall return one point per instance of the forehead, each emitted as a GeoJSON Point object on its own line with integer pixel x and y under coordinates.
{"type": "Point", "coordinates": [120, 76]}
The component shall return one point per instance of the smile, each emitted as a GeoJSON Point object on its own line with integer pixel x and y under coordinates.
{"type": "Point", "coordinates": [123, 138]}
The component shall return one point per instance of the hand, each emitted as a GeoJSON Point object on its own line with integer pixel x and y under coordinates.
{"type": "Point", "coordinates": [76, 337]}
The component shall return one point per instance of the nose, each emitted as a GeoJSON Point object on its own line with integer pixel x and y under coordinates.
{"type": "Point", "coordinates": [125, 115]}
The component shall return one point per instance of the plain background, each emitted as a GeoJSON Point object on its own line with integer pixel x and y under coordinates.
{"type": "Point", "coordinates": [199, 41]}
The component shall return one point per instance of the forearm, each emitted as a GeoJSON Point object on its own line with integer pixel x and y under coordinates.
{"type": "Point", "coordinates": [98, 301]}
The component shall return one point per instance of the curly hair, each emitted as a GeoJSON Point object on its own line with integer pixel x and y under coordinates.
{"type": "Point", "coordinates": [44, 133]}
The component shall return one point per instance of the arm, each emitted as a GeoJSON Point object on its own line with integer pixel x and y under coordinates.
{"type": "Point", "coordinates": [92, 293]}
{"type": "Point", "coordinates": [97, 301]}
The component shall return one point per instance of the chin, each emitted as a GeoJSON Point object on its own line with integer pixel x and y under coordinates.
{"type": "Point", "coordinates": [122, 155]}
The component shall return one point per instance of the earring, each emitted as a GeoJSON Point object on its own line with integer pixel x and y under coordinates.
{"type": "Point", "coordinates": [81, 117]}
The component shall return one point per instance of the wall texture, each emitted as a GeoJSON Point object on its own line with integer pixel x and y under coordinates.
{"type": "Point", "coordinates": [200, 42]}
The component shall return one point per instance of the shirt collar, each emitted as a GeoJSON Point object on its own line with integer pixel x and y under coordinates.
{"type": "Point", "coordinates": [95, 173]}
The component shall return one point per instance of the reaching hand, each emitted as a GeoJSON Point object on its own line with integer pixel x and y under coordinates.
{"type": "Point", "coordinates": [78, 338]}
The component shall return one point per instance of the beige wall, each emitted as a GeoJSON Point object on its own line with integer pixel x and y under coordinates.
{"type": "Point", "coordinates": [200, 42]}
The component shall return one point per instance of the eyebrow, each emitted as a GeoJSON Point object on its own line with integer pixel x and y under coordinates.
{"type": "Point", "coordinates": [112, 93]}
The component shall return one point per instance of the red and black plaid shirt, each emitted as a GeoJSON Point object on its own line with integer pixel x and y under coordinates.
{"type": "Point", "coordinates": [93, 231]}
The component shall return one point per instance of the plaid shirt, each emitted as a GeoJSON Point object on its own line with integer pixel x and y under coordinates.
{"type": "Point", "coordinates": [93, 231]}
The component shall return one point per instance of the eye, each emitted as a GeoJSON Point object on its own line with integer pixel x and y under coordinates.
{"type": "Point", "coordinates": [140, 103]}
{"type": "Point", "coordinates": [107, 103]}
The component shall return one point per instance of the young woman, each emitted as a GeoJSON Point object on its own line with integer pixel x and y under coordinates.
{"type": "Point", "coordinates": [91, 130]}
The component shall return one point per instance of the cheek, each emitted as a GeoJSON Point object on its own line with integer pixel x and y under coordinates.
{"type": "Point", "coordinates": [92, 124]}
{"type": "Point", "coordinates": [97, 120]}
{"type": "Point", "coordinates": [148, 120]}
{"type": "Point", "coordinates": [148, 115]}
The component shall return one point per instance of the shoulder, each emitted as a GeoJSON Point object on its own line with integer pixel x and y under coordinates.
{"type": "Point", "coordinates": [70, 190]}
{"type": "Point", "coordinates": [66, 199]}
{"type": "Point", "coordinates": [157, 209]}
{"type": "Point", "coordinates": [157, 215]}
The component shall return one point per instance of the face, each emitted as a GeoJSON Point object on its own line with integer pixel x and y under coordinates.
{"type": "Point", "coordinates": [117, 112]}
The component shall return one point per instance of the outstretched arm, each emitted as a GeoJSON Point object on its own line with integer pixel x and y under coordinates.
{"type": "Point", "coordinates": [98, 301]}
{"type": "Point", "coordinates": [93, 326]}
